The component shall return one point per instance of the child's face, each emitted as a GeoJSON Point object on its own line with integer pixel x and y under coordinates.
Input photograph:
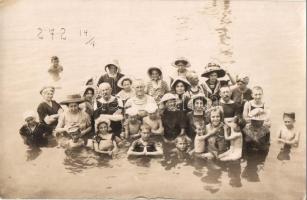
{"type": "Point", "coordinates": [225, 93]}
{"type": "Point", "coordinates": [30, 121]}
{"type": "Point", "coordinates": [181, 145]}
{"type": "Point", "coordinates": [133, 118]}
{"type": "Point", "coordinates": [55, 62]}
{"type": "Point", "coordinates": [145, 134]}
{"type": "Point", "coordinates": [213, 76]}
{"type": "Point", "coordinates": [200, 130]}
{"type": "Point", "coordinates": [241, 85]}
{"type": "Point", "coordinates": [127, 85]}
{"type": "Point", "coordinates": [154, 75]}
{"type": "Point", "coordinates": [215, 118]}
{"type": "Point", "coordinates": [198, 105]}
{"type": "Point", "coordinates": [103, 128]}
{"type": "Point", "coordinates": [194, 80]}
{"type": "Point", "coordinates": [289, 122]}
{"type": "Point", "coordinates": [75, 137]}
{"type": "Point", "coordinates": [73, 107]}
{"type": "Point", "coordinates": [171, 104]}
{"type": "Point", "coordinates": [257, 123]}
{"type": "Point", "coordinates": [180, 88]}
{"type": "Point", "coordinates": [152, 116]}
{"type": "Point", "coordinates": [257, 95]}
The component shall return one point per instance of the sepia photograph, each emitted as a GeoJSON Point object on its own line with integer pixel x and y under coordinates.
{"type": "Point", "coordinates": [153, 99]}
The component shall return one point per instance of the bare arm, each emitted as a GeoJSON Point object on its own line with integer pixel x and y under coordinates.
{"type": "Point", "coordinates": [160, 130]}
{"type": "Point", "coordinates": [96, 148]}
{"type": "Point", "coordinates": [114, 117]}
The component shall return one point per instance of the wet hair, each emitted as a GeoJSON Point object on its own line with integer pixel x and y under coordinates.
{"type": "Point", "coordinates": [289, 114]}
{"type": "Point", "coordinates": [239, 121]}
{"type": "Point", "coordinates": [182, 138]}
{"type": "Point", "coordinates": [216, 109]}
{"type": "Point", "coordinates": [145, 126]}
{"type": "Point", "coordinates": [257, 88]}
{"type": "Point", "coordinates": [53, 58]}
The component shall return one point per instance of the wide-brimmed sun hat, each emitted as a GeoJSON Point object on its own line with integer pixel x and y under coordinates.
{"type": "Point", "coordinates": [258, 114]}
{"type": "Point", "coordinates": [212, 67]}
{"type": "Point", "coordinates": [47, 87]}
{"type": "Point", "coordinates": [122, 79]}
{"type": "Point", "coordinates": [167, 96]}
{"type": "Point", "coordinates": [113, 63]}
{"type": "Point", "coordinates": [149, 71]}
{"type": "Point", "coordinates": [181, 60]}
{"type": "Point", "coordinates": [73, 98]}
{"type": "Point", "coordinates": [181, 79]}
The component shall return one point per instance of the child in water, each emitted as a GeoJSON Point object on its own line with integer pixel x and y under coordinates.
{"type": "Point", "coordinates": [154, 120]}
{"type": "Point", "coordinates": [288, 136]}
{"type": "Point", "coordinates": [75, 141]}
{"type": "Point", "coordinates": [144, 146]}
{"type": "Point", "coordinates": [132, 125]}
{"type": "Point", "coordinates": [200, 140]}
{"type": "Point", "coordinates": [235, 150]}
{"type": "Point", "coordinates": [104, 142]}
{"type": "Point", "coordinates": [183, 148]}
{"type": "Point", "coordinates": [33, 133]}
{"type": "Point", "coordinates": [55, 69]}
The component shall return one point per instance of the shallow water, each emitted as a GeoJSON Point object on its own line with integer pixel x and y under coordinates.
{"type": "Point", "coordinates": [264, 39]}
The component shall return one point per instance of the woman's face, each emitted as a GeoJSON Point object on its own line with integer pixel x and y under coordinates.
{"type": "Point", "coordinates": [181, 67]}
{"type": "Point", "coordinates": [127, 85]}
{"type": "Point", "coordinates": [73, 107]}
{"type": "Point", "coordinates": [198, 105]}
{"type": "Point", "coordinates": [30, 121]}
{"type": "Point", "coordinates": [154, 75]}
{"type": "Point", "coordinates": [103, 128]}
{"type": "Point", "coordinates": [215, 118]}
{"type": "Point", "coordinates": [112, 69]}
{"type": "Point", "coordinates": [48, 95]}
{"type": "Point", "coordinates": [89, 95]}
{"type": "Point", "coordinates": [179, 88]}
{"type": "Point", "coordinates": [213, 76]}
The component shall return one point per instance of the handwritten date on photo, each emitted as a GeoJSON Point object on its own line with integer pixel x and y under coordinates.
{"type": "Point", "coordinates": [60, 34]}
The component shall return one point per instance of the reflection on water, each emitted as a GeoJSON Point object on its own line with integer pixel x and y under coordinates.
{"type": "Point", "coordinates": [33, 153]}
{"type": "Point", "coordinates": [79, 159]}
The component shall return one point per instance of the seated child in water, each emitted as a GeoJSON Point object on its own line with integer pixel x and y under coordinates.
{"type": "Point", "coordinates": [236, 142]}
{"type": "Point", "coordinates": [288, 136]}
{"type": "Point", "coordinates": [75, 141]}
{"type": "Point", "coordinates": [153, 120]}
{"type": "Point", "coordinates": [200, 140]}
{"type": "Point", "coordinates": [144, 146]}
{"type": "Point", "coordinates": [217, 143]}
{"type": "Point", "coordinates": [104, 142]}
{"type": "Point", "coordinates": [33, 133]}
{"type": "Point", "coordinates": [183, 148]}
{"type": "Point", "coordinates": [132, 124]}
{"type": "Point", "coordinates": [55, 69]}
